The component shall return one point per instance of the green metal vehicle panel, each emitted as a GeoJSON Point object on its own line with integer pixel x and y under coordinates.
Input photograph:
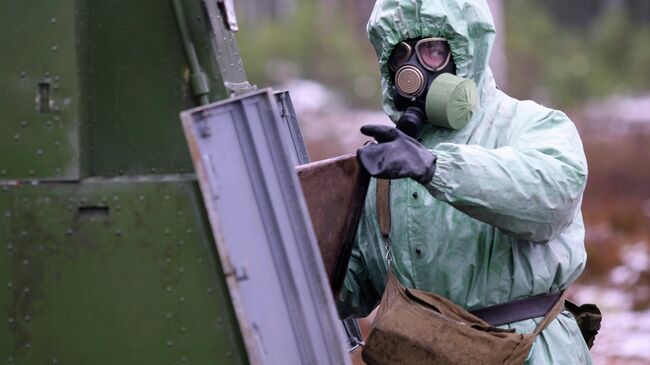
{"type": "Point", "coordinates": [39, 91]}
{"type": "Point", "coordinates": [112, 272]}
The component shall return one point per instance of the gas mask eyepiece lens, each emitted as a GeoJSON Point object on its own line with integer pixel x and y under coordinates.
{"type": "Point", "coordinates": [433, 53]}
{"type": "Point", "coordinates": [401, 53]}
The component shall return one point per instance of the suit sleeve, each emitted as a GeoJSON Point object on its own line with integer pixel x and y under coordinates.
{"type": "Point", "coordinates": [530, 188]}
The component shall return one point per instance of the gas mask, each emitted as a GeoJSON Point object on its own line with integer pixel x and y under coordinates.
{"type": "Point", "coordinates": [426, 87]}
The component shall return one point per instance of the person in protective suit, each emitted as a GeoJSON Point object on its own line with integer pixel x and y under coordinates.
{"type": "Point", "coordinates": [485, 189]}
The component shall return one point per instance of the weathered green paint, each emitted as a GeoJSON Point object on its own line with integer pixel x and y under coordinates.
{"type": "Point", "coordinates": [39, 43]}
{"type": "Point", "coordinates": [118, 79]}
{"type": "Point", "coordinates": [112, 272]}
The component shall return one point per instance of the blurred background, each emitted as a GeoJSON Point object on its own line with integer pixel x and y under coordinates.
{"type": "Point", "coordinates": [590, 58]}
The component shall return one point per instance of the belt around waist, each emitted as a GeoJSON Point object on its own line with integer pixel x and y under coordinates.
{"type": "Point", "coordinates": [517, 310]}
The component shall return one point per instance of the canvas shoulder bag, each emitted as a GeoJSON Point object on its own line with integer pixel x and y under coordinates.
{"type": "Point", "coordinates": [416, 327]}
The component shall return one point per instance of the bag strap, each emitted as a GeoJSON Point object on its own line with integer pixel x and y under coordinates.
{"type": "Point", "coordinates": [383, 206]}
{"type": "Point", "coordinates": [552, 314]}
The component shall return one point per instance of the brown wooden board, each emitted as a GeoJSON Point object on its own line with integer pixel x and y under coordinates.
{"type": "Point", "coordinates": [335, 190]}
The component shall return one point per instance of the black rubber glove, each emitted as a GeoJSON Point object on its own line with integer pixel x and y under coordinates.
{"type": "Point", "coordinates": [396, 155]}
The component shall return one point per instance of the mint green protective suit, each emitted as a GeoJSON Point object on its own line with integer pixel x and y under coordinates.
{"type": "Point", "coordinates": [501, 218]}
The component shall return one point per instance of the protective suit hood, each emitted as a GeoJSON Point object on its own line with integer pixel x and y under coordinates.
{"type": "Point", "coordinates": [467, 25]}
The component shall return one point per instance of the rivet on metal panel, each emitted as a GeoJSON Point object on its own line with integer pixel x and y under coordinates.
{"type": "Point", "coordinates": [32, 172]}
{"type": "Point", "coordinates": [41, 247]}
{"type": "Point", "coordinates": [219, 320]}
{"type": "Point", "coordinates": [17, 137]}
{"type": "Point", "coordinates": [199, 261]}
{"type": "Point", "coordinates": [23, 233]}
{"type": "Point", "coordinates": [118, 207]}
{"type": "Point", "coordinates": [24, 200]}
{"type": "Point", "coordinates": [11, 320]}
{"type": "Point", "coordinates": [181, 269]}
{"type": "Point", "coordinates": [26, 289]}
{"type": "Point", "coordinates": [168, 316]}
{"type": "Point", "coordinates": [53, 20]}
{"type": "Point", "coordinates": [28, 318]}
{"type": "Point", "coordinates": [3, 172]}
{"type": "Point", "coordinates": [48, 123]}
{"type": "Point", "coordinates": [183, 329]}
{"type": "Point", "coordinates": [170, 343]}
{"type": "Point", "coordinates": [153, 170]}
{"type": "Point", "coordinates": [69, 232]}
{"type": "Point", "coordinates": [180, 213]}
{"type": "Point", "coordinates": [167, 231]}
{"type": "Point", "coordinates": [210, 291]}
{"type": "Point", "coordinates": [71, 200]}
{"type": "Point", "coordinates": [181, 242]}
{"type": "Point", "coordinates": [189, 231]}
{"type": "Point", "coordinates": [23, 124]}
{"type": "Point", "coordinates": [141, 198]}
{"type": "Point", "coordinates": [181, 299]}
{"type": "Point", "coordinates": [28, 345]}
{"type": "Point", "coordinates": [116, 198]}
{"type": "Point", "coordinates": [46, 200]}
{"type": "Point", "coordinates": [23, 74]}
{"type": "Point", "coordinates": [55, 360]}
{"type": "Point", "coordinates": [25, 262]}
{"type": "Point", "coordinates": [121, 172]}
{"type": "Point", "coordinates": [183, 359]}
{"type": "Point", "coordinates": [168, 260]}
{"type": "Point", "coordinates": [10, 285]}
{"type": "Point", "coordinates": [47, 74]}
{"type": "Point", "coordinates": [57, 171]}
{"type": "Point", "coordinates": [10, 247]}
{"type": "Point", "coordinates": [118, 232]}
{"type": "Point", "coordinates": [10, 359]}
{"type": "Point", "coordinates": [55, 48]}
{"type": "Point", "coordinates": [168, 289]}
{"type": "Point", "coordinates": [167, 197]}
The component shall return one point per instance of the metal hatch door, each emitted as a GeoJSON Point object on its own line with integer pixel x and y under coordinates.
{"type": "Point", "coordinates": [263, 232]}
